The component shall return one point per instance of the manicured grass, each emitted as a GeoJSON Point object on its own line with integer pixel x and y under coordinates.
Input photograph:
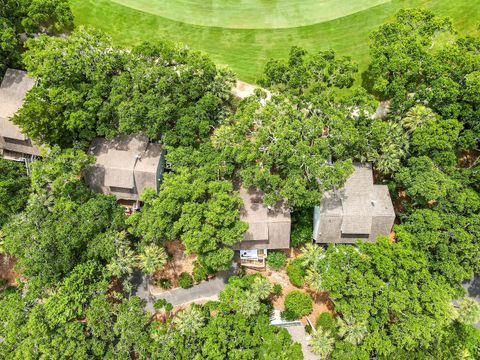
{"type": "Point", "coordinates": [246, 50]}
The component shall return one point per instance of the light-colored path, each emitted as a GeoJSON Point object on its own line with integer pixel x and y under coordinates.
{"type": "Point", "coordinates": [472, 289]}
{"type": "Point", "coordinates": [204, 291]}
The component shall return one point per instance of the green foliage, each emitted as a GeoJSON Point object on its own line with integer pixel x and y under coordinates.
{"type": "Point", "coordinates": [14, 189]}
{"type": "Point", "coordinates": [203, 212]}
{"type": "Point", "coordinates": [165, 92]}
{"type": "Point", "coordinates": [281, 151]}
{"type": "Point", "coordinates": [449, 241]}
{"type": "Point", "coordinates": [296, 273]}
{"type": "Point", "coordinates": [322, 343]}
{"type": "Point", "coordinates": [417, 300]}
{"type": "Point", "coordinates": [164, 283]}
{"type": "Point", "coordinates": [297, 304]}
{"type": "Point", "coordinates": [302, 225]}
{"type": "Point", "coordinates": [152, 259]}
{"type": "Point", "coordinates": [327, 322]}
{"type": "Point", "coordinates": [417, 58]}
{"type": "Point", "coordinates": [200, 273]}
{"type": "Point", "coordinates": [303, 72]}
{"type": "Point", "coordinates": [162, 304]}
{"type": "Point", "coordinates": [64, 222]}
{"type": "Point", "coordinates": [27, 18]}
{"type": "Point", "coordinates": [277, 289]}
{"type": "Point", "coordinates": [276, 259]}
{"type": "Point", "coordinates": [424, 181]}
{"type": "Point", "coordinates": [185, 280]}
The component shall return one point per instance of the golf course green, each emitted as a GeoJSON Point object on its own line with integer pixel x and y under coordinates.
{"type": "Point", "coordinates": [243, 34]}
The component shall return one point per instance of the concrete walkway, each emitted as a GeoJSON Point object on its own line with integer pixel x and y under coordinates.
{"type": "Point", "coordinates": [472, 288]}
{"type": "Point", "coordinates": [206, 290]}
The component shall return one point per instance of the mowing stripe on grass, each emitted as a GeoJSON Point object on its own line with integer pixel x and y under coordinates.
{"type": "Point", "coordinates": [246, 50]}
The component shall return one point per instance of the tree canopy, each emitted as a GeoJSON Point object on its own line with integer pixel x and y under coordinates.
{"type": "Point", "coordinates": [164, 91]}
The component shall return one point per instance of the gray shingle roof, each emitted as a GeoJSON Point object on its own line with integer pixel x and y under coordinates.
{"type": "Point", "coordinates": [268, 228]}
{"type": "Point", "coordinates": [359, 208]}
{"type": "Point", "coordinates": [124, 166]}
{"type": "Point", "coordinates": [13, 89]}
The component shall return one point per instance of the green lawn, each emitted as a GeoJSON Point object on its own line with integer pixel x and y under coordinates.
{"type": "Point", "coordinates": [243, 34]}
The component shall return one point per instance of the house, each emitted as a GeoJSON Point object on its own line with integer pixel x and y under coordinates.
{"type": "Point", "coordinates": [13, 144]}
{"type": "Point", "coordinates": [268, 228]}
{"type": "Point", "coordinates": [125, 166]}
{"type": "Point", "coordinates": [360, 210]}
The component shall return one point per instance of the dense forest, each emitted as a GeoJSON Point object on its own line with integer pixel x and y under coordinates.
{"type": "Point", "coordinates": [76, 250]}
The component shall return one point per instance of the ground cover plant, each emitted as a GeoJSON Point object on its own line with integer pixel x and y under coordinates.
{"type": "Point", "coordinates": [229, 33]}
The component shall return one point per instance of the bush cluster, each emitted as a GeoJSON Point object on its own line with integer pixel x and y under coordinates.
{"type": "Point", "coordinates": [297, 304]}
{"type": "Point", "coordinates": [276, 259]}
{"type": "Point", "coordinates": [296, 273]}
{"type": "Point", "coordinates": [185, 280]}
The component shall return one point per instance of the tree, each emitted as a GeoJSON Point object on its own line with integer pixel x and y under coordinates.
{"type": "Point", "coordinates": [201, 211]}
{"type": "Point", "coordinates": [14, 189]}
{"type": "Point", "coordinates": [281, 150]}
{"type": "Point", "coordinates": [165, 92]}
{"type": "Point", "coordinates": [424, 182]}
{"type": "Point", "coordinates": [130, 327]}
{"type": "Point", "coordinates": [389, 287]}
{"type": "Point", "coordinates": [303, 73]}
{"type": "Point", "coordinates": [352, 331]}
{"type": "Point", "coordinates": [171, 93]}
{"type": "Point", "coordinates": [189, 320]}
{"type": "Point", "coordinates": [311, 255]}
{"type": "Point", "coordinates": [322, 343]}
{"type": "Point", "coordinates": [153, 258]}
{"type": "Point", "coordinates": [262, 288]}
{"type": "Point", "coordinates": [27, 18]}
{"type": "Point", "coordinates": [449, 240]}
{"type": "Point", "coordinates": [64, 223]}
{"type": "Point", "coordinates": [467, 312]}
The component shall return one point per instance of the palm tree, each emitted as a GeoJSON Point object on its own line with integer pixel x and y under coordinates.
{"type": "Point", "coordinates": [416, 117]}
{"type": "Point", "coordinates": [152, 259]}
{"type": "Point", "coordinates": [352, 331]}
{"type": "Point", "coordinates": [262, 288]}
{"type": "Point", "coordinates": [123, 263]}
{"type": "Point", "coordinates": [322, 343]}
{"type": "Point", "coordinates": [314, 280]}
{"type": "Point", "coordinates": [467, 311]}
{"type": "Point", "coordinates": [311, 255]}
{"type": "Point", "coordinates": [189, 321]}
{"type": "Point", "coordinates": [249, 304]}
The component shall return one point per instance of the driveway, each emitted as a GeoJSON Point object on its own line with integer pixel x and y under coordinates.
{"type": "Point", "coordinates": [472, 288]}
{"type": "Point", "coordinates": [203, 291]}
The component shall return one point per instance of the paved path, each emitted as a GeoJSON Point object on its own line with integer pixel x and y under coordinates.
{"type": "Point", "coordinates": [472, 288]}
{"type": "Point", "coordinates": [206, 290]}
{"type": "Point", "coordinates": [299, 335]}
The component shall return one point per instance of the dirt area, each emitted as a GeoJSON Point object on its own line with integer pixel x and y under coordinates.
{"type": "Point", "coordinates": [178, 262]}
{"type": "Point", "coordinates": [321, 302]}
{"type": "Point", "coordinates": [468, 158]}
{"type": "Point", "coordinates": [6, 270]}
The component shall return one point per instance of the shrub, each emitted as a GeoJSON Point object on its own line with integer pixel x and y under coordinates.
{"type": "Point", "coordinates": [199, 273]}
{"type": "Point", "coordinates": [185, 280]}
{"type": "Point", "coordinates": [276, 259]}
{"type": "Point", "coordinates": [327, 322]}
{"type": "Point", "coordinates": [308, 329]}
{"type": "Point", "coordinates": [296, 273]}
{"type": "Point", "coordinates": [164, 283]}
{"type": "Point", "coordinates": [162, 304]}
{"type": "Point", "coordinates": [3, 282]}
{"type": "Point", "coordinates": [302, 225]}
{"type": "Point", "coordinates": [297, 304]}
{"type": "Point", "coordinates": [277, 289]}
